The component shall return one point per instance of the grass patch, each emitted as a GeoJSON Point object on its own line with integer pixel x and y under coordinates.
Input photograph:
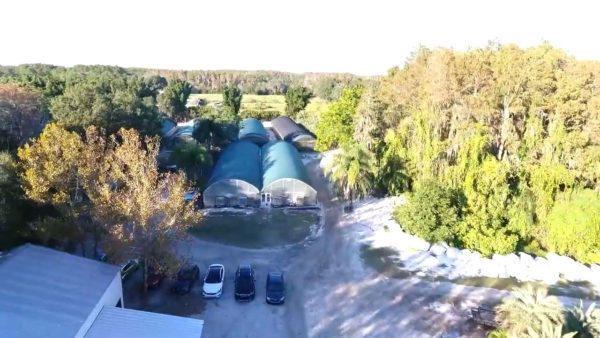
{"type": "Point", "coordinates": [262, 229]}
{"type": "Point", "coordinates": [263, 102]}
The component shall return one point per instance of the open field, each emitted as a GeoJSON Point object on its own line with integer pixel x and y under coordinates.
{"type": "Point", "coordinates": [261, 102]}
{"type": "Point", "coordinates": [259, 229]}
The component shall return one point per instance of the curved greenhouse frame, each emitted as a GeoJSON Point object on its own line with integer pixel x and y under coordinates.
{"type": "Point", "coordinates": [290, 131]}
{"type": "Point", "coordinates": [252, 130]}
{"type": "Point", "coordinates": [236, 179]}
{"type": "Point", "coordinates": [285, 181]}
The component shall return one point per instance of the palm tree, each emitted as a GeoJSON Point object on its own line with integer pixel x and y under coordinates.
{"type": "Point", "coordinates": [530, 311]}
{"type": "Point", "coordinates": [352, 171]}
{"type": "Point", "coordinates": [586, 323]}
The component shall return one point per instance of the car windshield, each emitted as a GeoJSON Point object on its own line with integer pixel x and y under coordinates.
{"type": "Point", "coordinates": [214, 275]}
{"type": "Point", "coordinates": [275, 285]}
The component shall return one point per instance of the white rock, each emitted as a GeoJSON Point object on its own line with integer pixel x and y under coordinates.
{"type": "Point", "coordinates": [438, 249]}
{"type": "Point", "coordinates": [488, 268]}
{"type": "Point", "coordinates": [415, 242]}
{"type": "Point", "coordinates": [543, 271]}
{"type": "Point", "coordinates": [526, 260]}
{"type": "Point", "coordinates": [452, 253]}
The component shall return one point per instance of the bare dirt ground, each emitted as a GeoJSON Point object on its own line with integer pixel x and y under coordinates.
{"type": "Point", "coordinates": [331, 291]}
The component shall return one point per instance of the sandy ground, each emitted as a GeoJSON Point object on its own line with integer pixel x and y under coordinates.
{"type": "Point", "coordinates": [331, 292]}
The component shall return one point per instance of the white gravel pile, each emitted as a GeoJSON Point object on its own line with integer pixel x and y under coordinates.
{"type": "Point", "coordinates": [373, 220]}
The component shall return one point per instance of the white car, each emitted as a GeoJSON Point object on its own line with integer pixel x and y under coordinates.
{"type": "Point", "coordinates": [213, 281]}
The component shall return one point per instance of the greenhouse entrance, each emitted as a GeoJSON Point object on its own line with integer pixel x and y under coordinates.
{"type": "Point", "coordinates": [265, 200]}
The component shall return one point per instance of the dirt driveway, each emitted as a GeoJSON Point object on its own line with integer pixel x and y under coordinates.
{"type": "Point", "coordinates": [331, 292]}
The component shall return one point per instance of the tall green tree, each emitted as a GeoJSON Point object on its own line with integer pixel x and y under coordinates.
{"type": "Point", "coordinates": [296, 99]}
{"type": "Point", "coordinates": [232, 98]}
{"type": "Point", "coordinates": [173, 99]}
{"type": "Point", "coordinates": [352, 171]}
{"type": "Point", "coordinates": [192, 159]}
{"type": "Point", "coordinates": [336, 126]}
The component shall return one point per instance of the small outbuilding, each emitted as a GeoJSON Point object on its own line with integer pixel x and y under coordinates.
{"type": "Point", "coordinates": [284, 178]}
{"type": "Point", "coordinates": [236, 179]}
{"type": "Point", "coordinates": [290, 131]}
{"type": "Point", "coordinates": [253, 130]}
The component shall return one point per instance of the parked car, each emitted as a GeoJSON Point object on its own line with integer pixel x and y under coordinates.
{"type": "Point", "coordinates": [155, 277]}
{"type": "Point", "coordinates": [186, 277]}
{"type": "Point", "coordinates": [244, 283]}
{"type": "Point", "coordinates": [213, 281]}
{"type": "Point", "coordinates": [128, 268]}
{"type": "Point", "coordinates": [275, 288]}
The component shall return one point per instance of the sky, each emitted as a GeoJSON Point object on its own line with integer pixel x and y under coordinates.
{"type": "Point", "coordinates": [361, 37]}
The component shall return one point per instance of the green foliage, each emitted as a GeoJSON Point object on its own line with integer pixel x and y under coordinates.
{"type": "Point", "coordinates": [296, 99]}
{"type": "Point", "coordinates": [336, 124]}
{"type": "Point", "coordinates": [173, 99]}
{"type": "Point", "coordinates": [574, 226]}
{"type": "Point", "coordinates": [433, 213]}
{"type": "Point", "coordinates": [585, 323]}
{"type": "Point", "coordinates": [232, 98]}
{"type": "Point", "coordinates": [262, 115]}
{"type": "Point", "coordinates": [192, 158]}
{"type": "Point", "coordinates": [217, 128]}
{"type": "Point", "coordinates": [510, 129]}
{"type": "Point", "coordinates": [530, 312]}
{"type": "Point", "coordinates": [106, 97]}
{"type": "Point", "coordinates": [352, 171]}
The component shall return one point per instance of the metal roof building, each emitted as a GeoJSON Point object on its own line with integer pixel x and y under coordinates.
{"type": "Point", "coordinates": [285, 181]}
{"type": "Point", "coordinates": [290, 131]}
{"type": "Point", "coordinates": [48, 293]}
{"type": "Point", "coordinates": [118, 322]}
{"type": "Point", "coordinates": [252, 130]}
{"type": "Point", "coordinates": [237, 177]}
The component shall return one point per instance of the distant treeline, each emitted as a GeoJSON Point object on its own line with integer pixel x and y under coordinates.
{"type": "Point", "coordinates": [328, 86]}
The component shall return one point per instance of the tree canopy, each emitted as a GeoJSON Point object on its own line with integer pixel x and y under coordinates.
{"type": "Point", "coordinates": [296, 99]}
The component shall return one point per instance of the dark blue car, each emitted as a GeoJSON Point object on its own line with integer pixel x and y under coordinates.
{"type": "Point", "coordinates": [275, 288]}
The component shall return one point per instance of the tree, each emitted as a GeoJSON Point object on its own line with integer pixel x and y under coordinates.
{"type": "Point", "coordinates": [108, 99]}
{"type": "Point", "coordinates": [217, 128]}
{"type": "Point", "coordinates": [13, 207]}
{"type": "Point", "coordinates": [151, 214]}
{"type": "Point", "coordinates": [336, 125]}
{"type": "Point", "coordinates": [432, 213]}
{"type": "Point", "coordinates": [352, 171]}
{"type": "Point", "coordinates": [48, 171]}
{"type": "Point", "coordinates": [529, 311]}
{"type": "Point", "coordinates": [296, 99]}
{"type": "Point", "coordinates": [173, 99]}
{"type": "Point", "coordinates": [232, 98]}
{"type": "Point", "coordinates": [21, 115]}
{"type": "Point", "coordinates": [192, 158]}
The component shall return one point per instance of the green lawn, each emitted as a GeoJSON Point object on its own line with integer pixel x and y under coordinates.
{"type": "Point", "coordinates": [261, 229]}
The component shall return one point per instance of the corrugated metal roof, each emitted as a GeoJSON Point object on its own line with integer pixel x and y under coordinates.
{"type": "Point", "coordinates": [288, 130]}
{"type": "Point", "coordinates": [252, 130]}
{"type": "Point", "coordinates": [281, 160]}
{"type": "Point", "coordinates": [240, 161]}
{"type": "Point", "coordinates": [113, 322]}
{"type": "Point", "coordinates": [44, 292]}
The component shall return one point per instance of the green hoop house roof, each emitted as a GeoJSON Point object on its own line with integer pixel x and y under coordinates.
{"type": "Point", "coordinates": [252, 129]}
{"type": "Point", "coordinates": [239, 161]}
{"type": "Point", "coordinates": [281, 160]}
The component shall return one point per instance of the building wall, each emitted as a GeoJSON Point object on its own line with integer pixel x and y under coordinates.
{"type": "Point", "coordinates": [289, 191]}
{"type": "Point", "coordinates": [227, 193]}
{"type": "Point", "coordinates": [111, 297]}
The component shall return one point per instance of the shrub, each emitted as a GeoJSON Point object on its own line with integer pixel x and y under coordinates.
{"type": "Point", "coordinates": [574, 226]}
{"type": "Point", "coordinates": [432, 213]}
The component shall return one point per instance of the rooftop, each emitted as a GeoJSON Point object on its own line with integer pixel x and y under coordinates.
{"type": "Point", "coordinates": [44, 290]}
{"type": "Point", "coordinates": [118, 322]}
